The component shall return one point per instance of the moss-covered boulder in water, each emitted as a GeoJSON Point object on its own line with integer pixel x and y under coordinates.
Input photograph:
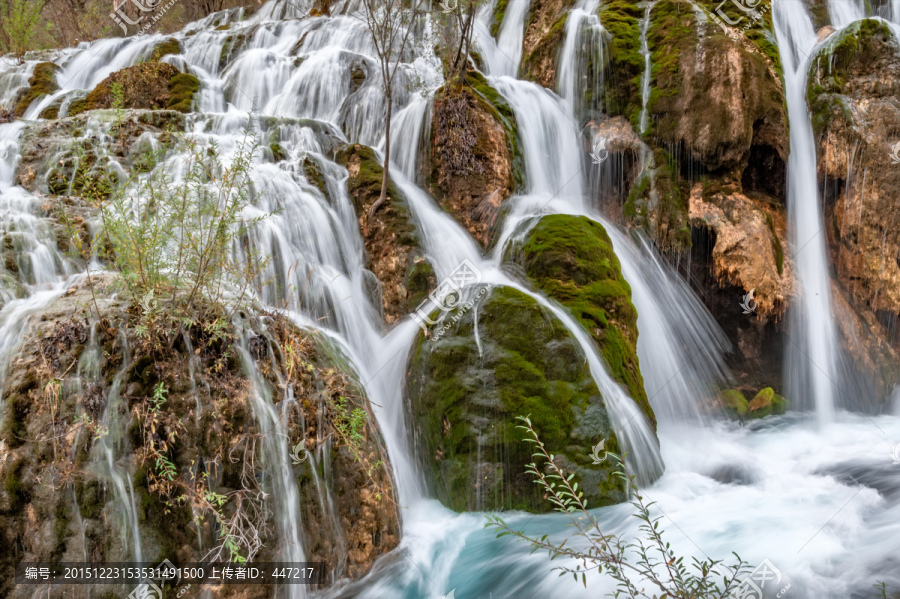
{"type": "Point", "coordinates": [150, 85]}
{"type": "Point", "coordinates": [42, 83]}
{"type": "Point", "coordinates": [393, 250]}
{"type": "Point", "coordinates": [571, 259]}
{"type": "Point", "coordinates": [767, 403]}
{"type": "Point", "coordinates": [464, 393]}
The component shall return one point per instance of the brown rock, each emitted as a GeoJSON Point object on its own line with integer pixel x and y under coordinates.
{"type": "Point", "coordinates": [470, 163]}
{"type": "Point", "coordinates": [749, 236]}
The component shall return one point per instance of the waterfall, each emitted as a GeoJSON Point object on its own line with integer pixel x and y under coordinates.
{"type": "Point", "coordinates": [90, 374]}
{"type": "Point", "coordinates": [814, 356]}
{"type": "Point", "coordinates": [582, 55]}
{"type": "Point", "coordinates": [645, 76]}
{"type": "Point", "coordinates": [276, 459]}
{"type": "Point", "coordinates": [503, 58]}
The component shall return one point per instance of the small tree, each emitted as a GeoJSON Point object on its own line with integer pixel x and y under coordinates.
{"type": "Point", "coordinates": [455, 24]}
{"type": "Point", "coordinates": [391, 24]}
{"type": "Point", "coordinates": [20, 24]}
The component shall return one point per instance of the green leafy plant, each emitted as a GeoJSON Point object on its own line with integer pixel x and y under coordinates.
{"type": "Point", "coordinates": [20, 25]}
{"type": "Point", "coordinates": [645, 568]}
{"type": "Point", "coordinates": [173, 241]}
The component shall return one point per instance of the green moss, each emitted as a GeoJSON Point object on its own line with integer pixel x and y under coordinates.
{"type": "Point", "coordinates": [14, 488]}
{"type": "Point", "coordinates": [854, 51]}
{"type": "Point", "coordinates": [183, 86]}
{"type": "Point", "coordinates": [466, 394]}
{"type": "Point", "coordinates": [734, 403]}
{"type": "Point", "coordinates": [767, 403]}
{"type": "Point", "coordinates": [776, 244]}
{"type": "Point", "coordinates": [41, 83]}
{"type": "Point", "coordinates": [624, 64]}
{"type": "Point", "coordinates": [144, 86]}
{"type": "Point", "coordinates": [499, 13]}
{"type": "Point", "coordinates": [166, 48]}
{"type": "Point", "coordinates": [278, 152]}
{"type": "Point", "coordinates": [545, 52]}
{"type": "Point", "coordinates": [571, 259]}
{"type": "Point", "coordinates": [90, 499]}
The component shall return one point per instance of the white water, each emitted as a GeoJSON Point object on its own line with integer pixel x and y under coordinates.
{"type": "Point", "coordinates": [813, 364]}
{"type": "Point", "coordinates": [505, 57]}
{"type": "Point", "coordinates": [801, 497]}
{"type": "Point", "coordinates": [583, 43]}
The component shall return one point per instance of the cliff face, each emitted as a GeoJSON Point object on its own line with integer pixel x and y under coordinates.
{"type": "Point", "coordinates": [854, 83]}
{"type": "Point", "coordinates": [103, 422]}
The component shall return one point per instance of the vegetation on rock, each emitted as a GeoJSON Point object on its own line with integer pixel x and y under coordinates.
{"type": "Point", "coordinates": [393, 248]}
{"type": "Point", "coordinates": [571, 259]}
{"type": "Point", "coordinates": [464, 395]}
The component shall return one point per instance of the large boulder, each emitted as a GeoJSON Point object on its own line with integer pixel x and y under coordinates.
{"type": "Point", "coordinates": [501, 356]}
{"type": "Point", "coordinates": [177, 412]}
{"type": "Point", "coordinates": [545, 31]}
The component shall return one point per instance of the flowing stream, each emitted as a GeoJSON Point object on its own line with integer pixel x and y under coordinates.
{"type": "Point", "coordinates": [781, 489]}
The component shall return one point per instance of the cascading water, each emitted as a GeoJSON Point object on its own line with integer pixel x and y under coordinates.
{"type": "Point", "coordinates": [582, 52]}
{"type": "Point", "coordinates": [764, 490]}
{"type": "Point", "coordinates": [814, 356]}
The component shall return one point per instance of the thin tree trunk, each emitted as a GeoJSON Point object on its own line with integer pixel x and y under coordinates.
{"type": "Point", "coordinates": [387, 163]}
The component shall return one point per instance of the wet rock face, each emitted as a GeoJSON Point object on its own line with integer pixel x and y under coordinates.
{"type": "Point", "coordinates": [544, 33]}
{"type": "Point", "coordinates": [188, 399]}
{"type": "Point", "coordinates": [393, 249]}
{"type": "Point", "coordinates": [470, 158]}
{"type": "Point", "coordinates": [718, 98]}
{"type": "Point", "coordinates": [465, 392]}
{"type": "Point", "coordinates": [750, 238]}
{"type": "Point", "coordinates": [854, 83]}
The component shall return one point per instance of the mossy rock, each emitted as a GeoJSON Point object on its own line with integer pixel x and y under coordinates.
{"type": "Point", "coordinates": [767, 403]}
{"type": "Point", "coordinates": [465, 394]}
{"type": "Point", "coordinates": [539, 65]}
{"type": "Point", "coordinates": [166, 48]}
{"type": "Point", "coordinates": [624, 63]}
{"type": "Point", "coordinates": [571, 259]}
{"type": "Point", "coordinates": [506, 116]}
{"type": "Point", "coordinates": [852, 53]}
{"type": "Point", "coordinates": [150, 85]}
{"type": "Point", "coordinates": [393, 248]}
{"type": "Point", "coordinates": [734, 403]}
{"type": "Point", "coordinates": [41, 83]}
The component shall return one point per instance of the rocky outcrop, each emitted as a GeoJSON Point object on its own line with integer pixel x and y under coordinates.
{"type": "Point", "coordinates": [571, 259]}
{"type": "Point", "coordinates": [544, 33]}
{"type": "Point", "coordinates": [176, 409]}
{"type": "Point", "coordinates": [464, 393]}
{"type": "Point", "coordinates": [393, 250]}
{"type": "Point", "coordinates": [716, 107]}
{"type": "Point", "coordinates": [41, 83]}
{"type": "Point", "coordinates": [719, 99]}
{"type": "Point", "coordinates": [473, 160]}
{"type": "Point", "coordinates": [151, 85]}
{"type": "Point", "coordinates": [854, 83]}
{"type": "Point", "coordinates": [56, 161]}
{"type": "Point", "coordinates": [750, 237]}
